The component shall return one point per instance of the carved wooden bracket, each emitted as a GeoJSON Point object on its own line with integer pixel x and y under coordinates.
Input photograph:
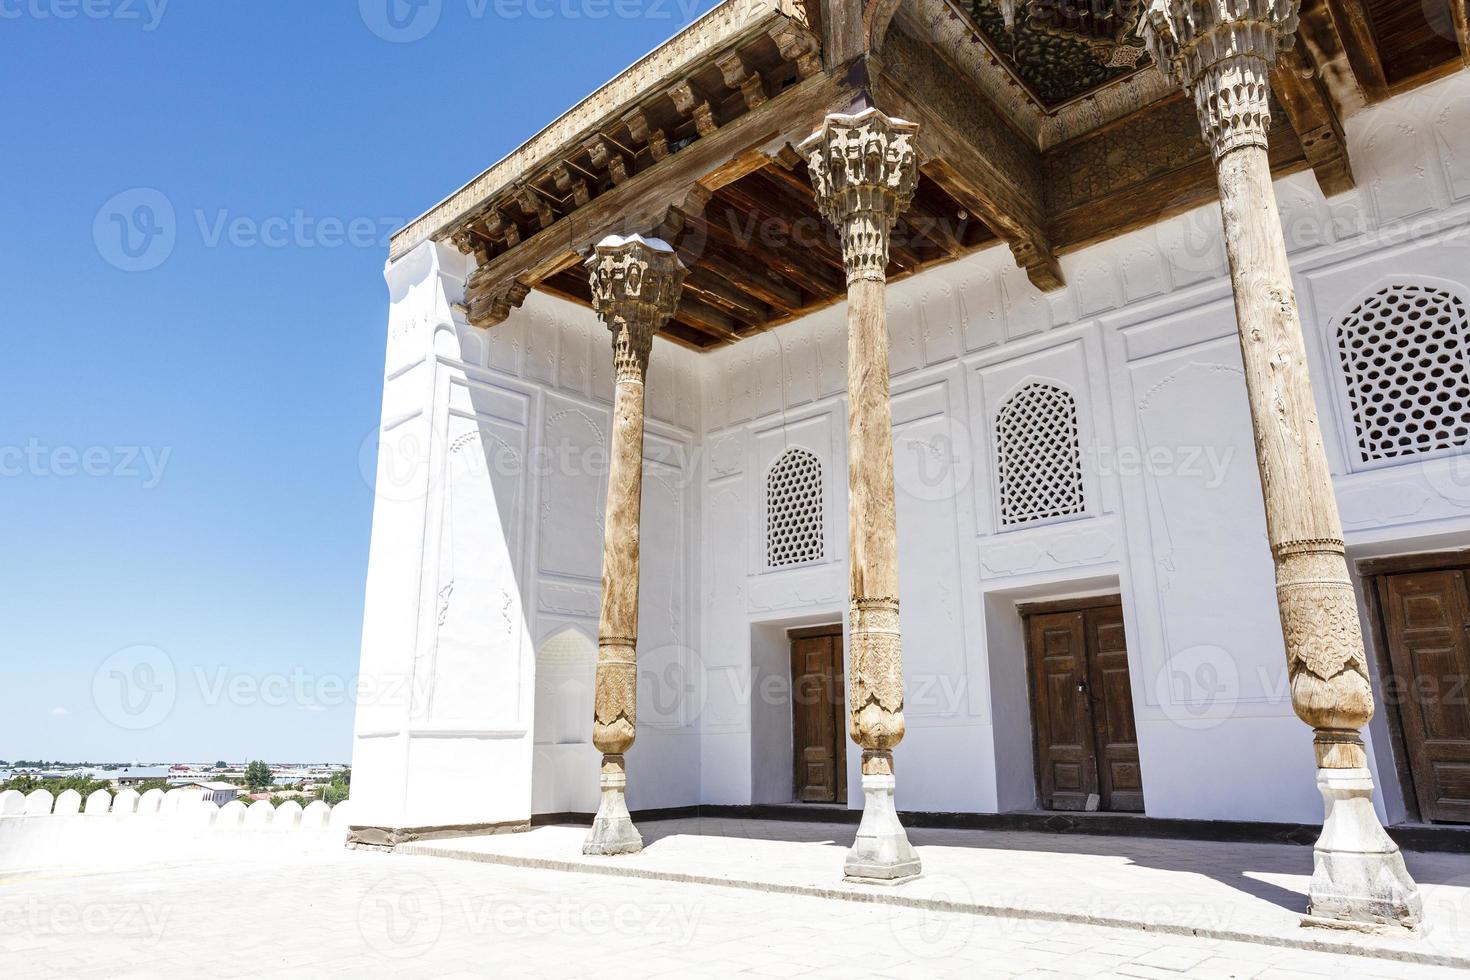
{"type": "Point", "coordinates": [738, 76]}
{"type": "Point", "coordinates": [692, 102]}
{"type": "Point", "coordinates": [488, 303]}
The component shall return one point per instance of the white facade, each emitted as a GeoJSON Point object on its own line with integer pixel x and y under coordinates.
{"type": "Point", "coordinates": [482, 596]}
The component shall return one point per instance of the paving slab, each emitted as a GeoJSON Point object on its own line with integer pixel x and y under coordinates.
{"type": "Point", "coordinates": [1252, 893]}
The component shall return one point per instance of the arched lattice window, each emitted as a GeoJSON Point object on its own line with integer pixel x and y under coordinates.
{"type": "Point", "coordinates": [794, 508]}
{"type": "Point", "coordinates": [1040, 455]}
{"type": "Point", "coordinates": [1403, 353]}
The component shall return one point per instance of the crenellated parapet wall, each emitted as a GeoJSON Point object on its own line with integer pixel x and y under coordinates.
{"type": "Point", "coordinates": [106, 831]}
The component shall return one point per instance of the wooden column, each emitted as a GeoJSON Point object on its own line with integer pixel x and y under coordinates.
{"type": "Point", "coordinates": [864, 169]}
{"type": "Point", "coordinates": [1222, 52]}
{"type": "Point", "coordinates": [635, 290]}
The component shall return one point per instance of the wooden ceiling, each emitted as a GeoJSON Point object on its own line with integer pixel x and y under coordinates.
{"type": "Point", "coordinates": [1412, 36]}
{"type": "Point", "coordinates": [760, 255]}
{"type": "Point", "coordinates": [704, 159]}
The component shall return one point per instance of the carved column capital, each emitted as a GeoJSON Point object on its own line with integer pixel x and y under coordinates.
{"type": "Point", "coordinates": [636, 283]}
{"type": "Point", "coordinates": [1221, 52]}
{"type": "Point", "coordinates": [864, 170]}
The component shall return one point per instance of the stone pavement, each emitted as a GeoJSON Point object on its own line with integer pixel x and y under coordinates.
{"type": "Point", "coordinates": [371, 914]}
{"type": "Point", "coordinates": [1250, 892]}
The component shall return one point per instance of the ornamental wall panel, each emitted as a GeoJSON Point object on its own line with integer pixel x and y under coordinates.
{"type": "Point", "coordinates": [799, 368]}
{"type": "Point", "coordinates": [932, 470]}
{"type": "Point", "coordinates": [939, 322]}
{"type": "Point", "coordinates": [474, 664]}
{"type": "Point", "coordinates": [572, 465]}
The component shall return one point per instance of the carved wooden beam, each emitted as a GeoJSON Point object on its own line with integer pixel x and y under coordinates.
{"type": "Point", "coordinates": [1322, 45]}
{"type": "Point", "coordinates": [643, 201]}
{"type": "Point", "coordinates": [1312, 115]}
{"type": "Point", "coordinates": [1460, 16]}
{"type": "Point", "coordinates": [935, 227]}
{"type": "Point", "coordinates": [685, 226]}
{"type": "Point", "coordinates": [725, 295]}
{"type": "Point", "coordinates": [694, 311]}
{"type": "Point", "coordinates": [1356, 31]}
{"type": "Point", "coordinates": [969, 151]}
{"type": "Point", "coordinates": [877, 15]}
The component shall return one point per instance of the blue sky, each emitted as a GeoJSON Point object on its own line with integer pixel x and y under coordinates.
{"type": "Point", "coordinates": [183, 411]}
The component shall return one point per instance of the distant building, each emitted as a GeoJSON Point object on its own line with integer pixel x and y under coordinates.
{"type": "Point", "coordinates": [214, 792]}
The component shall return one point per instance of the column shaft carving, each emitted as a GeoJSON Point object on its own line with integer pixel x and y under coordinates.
{"type": "Point", "coordinates": [864, 170]}
{"type": "Point", "coordinates": [1222, 53]}
{"type": "Point", "coordinates": [635, 290]}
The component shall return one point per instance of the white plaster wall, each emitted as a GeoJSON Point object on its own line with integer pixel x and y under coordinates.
{"type": "Point", "coordinates": [475, 569]}
{"type": "Point", "coordinates": [487, 548]}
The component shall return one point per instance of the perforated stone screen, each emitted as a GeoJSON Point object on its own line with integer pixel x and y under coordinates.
{"type": "Point", "coordinates": [794, 508]}
{"type": "Point", "coordinates": [1040, 455]}
{"type": "Point", "coordinates": [1403, 355]}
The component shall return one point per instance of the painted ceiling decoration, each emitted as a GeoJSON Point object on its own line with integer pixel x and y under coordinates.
{"type": "Point", "coordinates": [1063, 49]}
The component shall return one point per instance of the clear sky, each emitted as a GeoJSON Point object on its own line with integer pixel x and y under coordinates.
{"type": "Point", "coordinates": [187, 401]}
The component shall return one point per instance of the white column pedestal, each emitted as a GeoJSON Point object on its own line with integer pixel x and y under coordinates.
{"type": "Point", "coordinates": [612, 829]}
{"type": "Point", "coordinates": [882, 853]}
{"type": "Point", "coordinates": [1359, 879]}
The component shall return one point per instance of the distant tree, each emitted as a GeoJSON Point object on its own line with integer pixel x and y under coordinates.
{"type": "Point", "coordinates": [258, 775]}
{"type": "Point", "coordinates": [337, 790]}
{"type": "Point", "coordinates": [156, 783]}
{"type": "Point", "coordinates": [84, 785]}
{"type": "Point", "coordinates": [23, 783]}
{"type": "Point", "coordinates": [221, 764]}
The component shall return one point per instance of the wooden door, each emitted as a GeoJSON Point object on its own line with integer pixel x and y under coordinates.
{"type": "Point", "coordinates": [1120, 780]}
{"type": "Point", "coordinates": [1427, 618]}
{"type": "Point", "coordinates": [1064, 739]}
{"type": "Point", "coordinates": [1082, 708]}
{"type": "Point", "coordinates": [818, 716]}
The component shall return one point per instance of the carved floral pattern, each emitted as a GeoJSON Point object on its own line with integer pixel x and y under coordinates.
{"type": "Point", "coordinates": [1222, 51]}
{"type": "Point", "coordinates": [864, 170]}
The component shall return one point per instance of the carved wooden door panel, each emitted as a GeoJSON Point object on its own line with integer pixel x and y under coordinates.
{"type": "Point", "coordinates": [1427, 618]}
{"type": "Point", "coordinates": [1061, 717]}
{"type": "Point", "coordinates": [1082, 707]}
{"type": "Point", "coordinates": [818, 716]}
{"type": "Point", "coordinates": [1120, 779]}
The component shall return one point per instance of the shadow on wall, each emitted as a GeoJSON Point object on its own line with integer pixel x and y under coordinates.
{"type": "Point", "coordinates": [564, 770]}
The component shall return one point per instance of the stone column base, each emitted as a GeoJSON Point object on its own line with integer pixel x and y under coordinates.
{"type": "Point", "coordinates": [612, 829]}
{"type": "Point", "coordinates": [882, 853]}
{"type": "Point", "coordinates": [1359, 879]}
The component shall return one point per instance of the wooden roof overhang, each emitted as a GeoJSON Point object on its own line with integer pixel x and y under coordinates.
{"type": "Point", "coordinates": [695, 142]}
